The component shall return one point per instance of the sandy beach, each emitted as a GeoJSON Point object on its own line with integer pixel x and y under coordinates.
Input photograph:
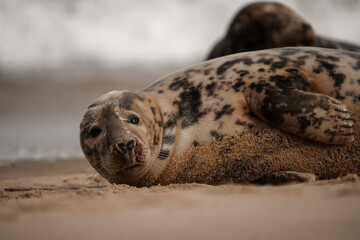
{"type": "Point", "coordinates": [57, 57]}
{"type": "Point", "coordinates": [67, 200]}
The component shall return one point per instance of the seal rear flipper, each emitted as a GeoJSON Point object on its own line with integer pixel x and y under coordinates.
{"type": "Point", "coordinates": [306, 114]}
{"type": "Point", "coordinates": [284, 177]}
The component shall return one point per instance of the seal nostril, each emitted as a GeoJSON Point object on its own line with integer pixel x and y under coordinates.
{"type": "Point", "coordinates": [130, 145]}
{"type": "Point", "coordinates": [126, 146]}
{"type": "Point", "coordinates": [122, 146]}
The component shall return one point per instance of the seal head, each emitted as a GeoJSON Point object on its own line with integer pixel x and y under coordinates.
{"type": "Point", "coordinates": [119, 137]}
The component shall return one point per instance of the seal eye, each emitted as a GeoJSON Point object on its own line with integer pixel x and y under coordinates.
{"type": "Point", "coordinates": [94, 132]}
{"type": "Point", "coordinates": [133, 120]}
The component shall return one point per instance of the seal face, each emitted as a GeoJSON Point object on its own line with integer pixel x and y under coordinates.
{"type": "Point", "coordinates": [265, 25]}
{"type": "Point", "coordinates": [130, 137]}
{"type": "Point", "coordinates": [119, 135]}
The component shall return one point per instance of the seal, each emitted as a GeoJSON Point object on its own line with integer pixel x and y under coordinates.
{"type": "Point", "coordinates": [128, 136]}
{"type": "Point", "coordinates": [265, 25]}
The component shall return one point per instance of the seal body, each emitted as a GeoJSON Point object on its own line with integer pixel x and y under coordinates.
{"type": "Point", "coordinates": [264, 25]}
{"type": "Point", "coordinates": [310, 92]}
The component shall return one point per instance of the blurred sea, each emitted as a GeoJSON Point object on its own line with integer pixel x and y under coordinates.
{"type": "Point", "coordinates": [57, 56]}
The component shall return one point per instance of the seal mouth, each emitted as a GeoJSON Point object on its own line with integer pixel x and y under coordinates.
{"type": "Point", "coordinates": [123, 165]}
{"type": "Point", "coordinates": [129, 160]}
{"type": "Point", "coordinates": [129, 168]}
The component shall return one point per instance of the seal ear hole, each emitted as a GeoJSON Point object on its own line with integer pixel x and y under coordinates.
{"type": "Point", "coordinates": [133, 119]}
{"type": "Point", "coordinates": [94, 132]}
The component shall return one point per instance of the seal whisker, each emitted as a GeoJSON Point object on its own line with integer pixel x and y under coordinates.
{"type": "Point", "coordinates": [92, 173]}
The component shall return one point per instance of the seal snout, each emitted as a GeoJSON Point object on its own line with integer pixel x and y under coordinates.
{"type": "Point", "coordinates": [125, 146]}
{"type": "Point", "coordinates": [125, 152]}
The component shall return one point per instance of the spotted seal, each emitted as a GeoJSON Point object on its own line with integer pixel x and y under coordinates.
{"type": "Point", "coordinates": [264, 25]}
{"type": "Point", "coordinates": [128, 136]}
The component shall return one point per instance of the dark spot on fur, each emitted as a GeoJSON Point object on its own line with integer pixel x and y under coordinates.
{"type": "Point", "coordinates": [322, 57]}
{"type": "Point", "coordinates": [226, 110]}
{"type": "Point", "coordinates": [207, 71]}
{"type": "Point", "coordinates": [266, 61]}
{"type": "Point", "coordinates": [160, 91]}
{"type": "Point", "coordinates": [195, 143]}
{"type": "Point", "coordinates": [179, 82]}
{"type": "Point", "coordinates": [261, 70]}
{"type": "Point", "coordinates": [163, 154]}
{"type": "Point", "coordinates": [210, 88]}
{"type": "Point", "coordinates": [331, 134]}
{"type": "Point", "coordinates": [247, 61]}
{"type": "Point", "coordinates": [338, 78]}
{"type": "Point", "coordinates": [225, 66]}
{"type": "Point", "coordinates": [171, 122]}
{"type": "Point", "coordinates": [328, 66]}
{"type": "Point", "coordinates": [239, 81]}
{"type": "Point", "coordinates": [279, 65]}
{"type": "Point", "coordinates": [317, 70]}
{"type": "Point", "coordinates": [240, 123]}
{"type": "Point", "coordinates": [153, 110]}
{"type": "Point", "coordinates": [292, 70]}
{"type": "Point", "coordinates": [304, 123]}
{"type": "Point", "coordinates": [211, 78]}
{"type": "Point", "coordinates": [292, 81]}
{"type": "Point", "coordinates": [260, 86]}
{"type": "Point", "coordinates": [330, 58]}
{"type": "Point", "coordinates": [338, 96]}
{"type": "Point", "coordinates": [242, 73]}
{"type": "Point", "coordinates": [300, 61]}
{"type": "Point", "coordinates": [169, 139]}
{"type": "Point", "coordinates": [156, 139]}
{"type": "Point", "coordinates": [189, 106]}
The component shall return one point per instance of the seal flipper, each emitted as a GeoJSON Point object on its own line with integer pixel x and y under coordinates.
{"type": "Point", "coordinates": [310, 115]}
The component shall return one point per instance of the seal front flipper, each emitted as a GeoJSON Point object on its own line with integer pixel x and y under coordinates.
{"type": "Point", "coordinates": [306, 114]}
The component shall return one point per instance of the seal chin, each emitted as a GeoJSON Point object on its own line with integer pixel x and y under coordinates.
{"type": "Point", "coordinates": [133, 171]}
{"type": "Point", "coordinates": [129, 174]}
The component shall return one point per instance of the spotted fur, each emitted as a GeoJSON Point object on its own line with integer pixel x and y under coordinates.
{"type": "Point", "coordinates": [306, 91]}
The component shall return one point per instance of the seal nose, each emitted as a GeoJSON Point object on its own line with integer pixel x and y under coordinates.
{"type": "Point", "coordinates": [125, 146]}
